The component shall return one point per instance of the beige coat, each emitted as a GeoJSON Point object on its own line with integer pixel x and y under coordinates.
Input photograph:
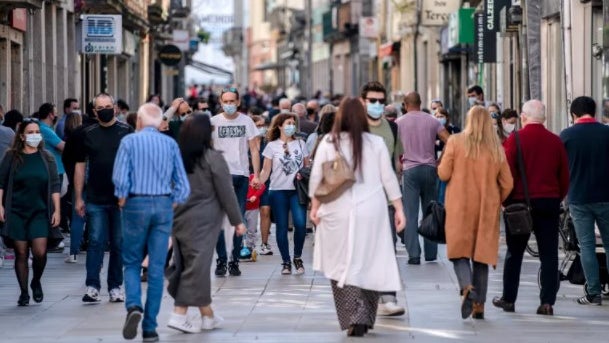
{"type": "Point", "coordinates": [476, 188]}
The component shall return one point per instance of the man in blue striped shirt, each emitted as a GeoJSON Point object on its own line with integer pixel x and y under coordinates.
{"type": "Point", "coordinates": [149, 180]}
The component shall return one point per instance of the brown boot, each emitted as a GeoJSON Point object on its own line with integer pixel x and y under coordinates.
{"type": "Point", "coordinates": [467, 301]}
{"type": "Point", "coordinates": [478, 311]}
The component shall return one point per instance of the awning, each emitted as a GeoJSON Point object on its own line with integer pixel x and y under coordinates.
{"type": "Point", "coordinates": [270, 66]}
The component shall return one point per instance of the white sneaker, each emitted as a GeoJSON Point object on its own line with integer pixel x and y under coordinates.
{"type": "Point", "coordinates": [210, 323]}
{"type": "Point", "coordinates": [61, 245]}
{"type": "Point", "coordinates": [92, 296]}
{"type": "Point", "coordinates": [182, 323]}
{"type": "Point", "coordinates": [117, 295]}
{"type": "Point", "coordinates": [390, 309]}
{"type": "Point", "coordinates": [70, 259]}
{"type": "Point", "coordinates": [265, 249]}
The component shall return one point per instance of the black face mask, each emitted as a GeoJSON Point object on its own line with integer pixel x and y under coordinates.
{"type": "Point", "coordinates": [106, 115]}
{"type": "Point", "coordinates": [310, 111]}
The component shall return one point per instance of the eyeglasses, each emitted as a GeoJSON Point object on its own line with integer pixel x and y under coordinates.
{"type": "Point", "coordinates": [375, 100]}
{"type": "Point", "coordinates": [109, 107]}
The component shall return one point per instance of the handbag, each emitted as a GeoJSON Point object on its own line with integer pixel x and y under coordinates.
{"type": "Point", "coordinates": [55, 237]}
{"type": "Point", "coordinates": [302, 184]}
{"type": "Point", "coordinates": [517, 216]}
{"type": "Point", "coordinates": [433, 224]}
{"type": "Point", "coordinates": [337, 177]}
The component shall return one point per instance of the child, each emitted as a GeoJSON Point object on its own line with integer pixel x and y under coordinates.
{"type": "Point", "coordinates": [252, 211]}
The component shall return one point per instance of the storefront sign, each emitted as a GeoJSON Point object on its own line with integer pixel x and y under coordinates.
{"type": "Point", "coordinates": [102, 34]}
{"type": "Point", "coordinates": [128, 43]}
{"type": "Point", "coordinates": [170, 55]}
{"type": "Point", "coordinates": [461, 27]}
{"type": "Point", "coordinates": [369, 27]}
{"type": "Point", "coordinates": [19, 19]}
{"type": "Point", "coordinates": [437, 12]}
{"type": "Point", "coordinates": [488, 24]}
{"type": "Point", "coordinates": [181, 39]}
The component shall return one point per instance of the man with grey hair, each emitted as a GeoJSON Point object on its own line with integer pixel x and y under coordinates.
{"type": "Point", "coordinates": [305, 126]}
{"type": "Point", "coordinates": [98, 148]}
{"type": "Point", "coordinates": [390, 113]}
{"type": "Point", "coordinates": [149, 180]}
{"type": "Point", "coordinates": [284, 105]}
{"type": "Point", "coordinates": [546, 182]}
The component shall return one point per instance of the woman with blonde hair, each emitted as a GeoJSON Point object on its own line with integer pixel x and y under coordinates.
{"type": "Point", "coordinates": [479, 180]}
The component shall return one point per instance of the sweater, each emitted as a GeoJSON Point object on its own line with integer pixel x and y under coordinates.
{"type": "Point", "coordinates": [587, 145]}
{"type": "Point", "coordinates": [545, 160]}
{"type": "Point", "coordinates": [251, 191]}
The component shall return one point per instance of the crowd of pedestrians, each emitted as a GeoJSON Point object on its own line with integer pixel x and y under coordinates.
{"type": "Point", "coordinates": [162, 191]}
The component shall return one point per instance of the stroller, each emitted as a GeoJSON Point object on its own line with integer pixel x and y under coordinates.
{"type": "Point", "coordinates": [571, 261]}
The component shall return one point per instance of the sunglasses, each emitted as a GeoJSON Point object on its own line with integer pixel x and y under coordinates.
{"type": "Point", "coordinates": [495, 115]}
{"type": "Point", "coordinates": [285, 149]}
{"type": "Point", "coordinates": [30, 120]}
{"type": "Point", "coordinates": [375, 100]}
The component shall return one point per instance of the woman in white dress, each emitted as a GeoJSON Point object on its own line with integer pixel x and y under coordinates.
{"type": "Point", "coordinates": [353, 247]}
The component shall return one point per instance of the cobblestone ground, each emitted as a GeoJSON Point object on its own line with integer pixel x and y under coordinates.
{"type": "Point", "coordinates": [262, 305]}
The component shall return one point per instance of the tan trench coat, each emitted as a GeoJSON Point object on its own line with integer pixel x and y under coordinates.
{"type": "Point", "coordinates": [476, 188]}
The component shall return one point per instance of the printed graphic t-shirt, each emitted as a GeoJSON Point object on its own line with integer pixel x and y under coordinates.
{"type": "Point", "coordinates": [285, 164]}
{"type": "Point", "coordinates": [231, 137]}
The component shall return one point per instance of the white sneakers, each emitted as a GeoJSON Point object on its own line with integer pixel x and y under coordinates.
{"type": "Point", "coordinates": [91, 296]}
{"type": "Point", "coordinates": [390, 309]}
{"type": "Point", "coordinates": [194, 324]}
{"type": "Point", "coordinates": [181, 322]}
{"type": "Point", "coordinates": [70, 259]}
{"type": "Point", "coordinates": [117, 295]}
{"type": "Point", "coordinates": [210, 323]}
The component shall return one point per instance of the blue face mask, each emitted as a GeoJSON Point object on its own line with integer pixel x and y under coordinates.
{"type": "Point", "coordinates": [442, 121]}
{"type": "Point", "coordinates": [289, 130]}
{"type": "Point", "coordinates": [375, 110]}
{"type": "Point", "coordinates": [229, 109]}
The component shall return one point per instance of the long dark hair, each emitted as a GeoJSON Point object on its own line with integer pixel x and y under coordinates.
{"type": "Point", "coordinates": [19, 144]}
{"type": "Point", "coordinates": [194, 140]}
{"type": "Point", "coordinates": [351, 118]}
{"type": "Point", "coordinates": [278, 120]}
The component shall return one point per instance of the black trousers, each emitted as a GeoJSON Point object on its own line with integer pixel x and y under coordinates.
{"type": "Point", "coordinates": [545, 213]}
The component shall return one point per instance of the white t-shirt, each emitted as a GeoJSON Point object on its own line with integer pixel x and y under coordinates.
{"type": "Point", "coordinates": [285, 165]}
{"type": "Point", "coordinates": [231, 137]}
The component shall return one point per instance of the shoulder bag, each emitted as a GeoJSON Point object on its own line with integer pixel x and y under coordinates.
{"type": "Point", "coordinates": [517, 216]}
{"type": "Point", "coordinates": [337, 177]}
{"type": "Point", "coordinates": [301, 182]}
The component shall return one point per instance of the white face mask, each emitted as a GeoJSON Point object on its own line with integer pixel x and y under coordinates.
{"type": "Point", "coordinates": [33, 139]}
{"type": "Point", "coordinates": [509, 128]}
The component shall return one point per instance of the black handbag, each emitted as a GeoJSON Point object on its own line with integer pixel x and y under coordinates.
{"type": "Point", "coordinates": [433, 224]}
{"type": "Point", "coordinates": [55, 237]}
{"type": "Point", "coordinates": [517, 216]}
{"type": "Point", "coordinates": [302, 185]}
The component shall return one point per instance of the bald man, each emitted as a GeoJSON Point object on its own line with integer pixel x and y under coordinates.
{"type": "Point", "coordinates": [418, 131]}
{"type": "Point", "coordinates": [312, 110]}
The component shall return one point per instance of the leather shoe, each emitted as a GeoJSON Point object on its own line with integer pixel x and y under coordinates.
{"type": "Point", "coordinates": [357, 330]}
{"type": "Point", "coordinates": [501, 303]}
{"type": "Point", "coordinates": [478, 311]}
{"type": "Point", "coordinates": [24, 300]}
{"type": "Point", "coordinates": [545, 309]}
{"type": "Point", "coordinates": [414, 260]}
{"type": "Point", "coordinates": [467, 302]}
{"type": "Point", "coordinates": [37, 291]}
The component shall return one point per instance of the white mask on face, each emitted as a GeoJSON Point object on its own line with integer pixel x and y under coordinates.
{"type": "Point", "coordinates": [509, 128]}
{"type": "Point", "coordinates": [33, 139]}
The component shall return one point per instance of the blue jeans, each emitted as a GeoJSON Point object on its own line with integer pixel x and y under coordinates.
{"type": "Point", "coordinates": [147, 223]}
{"type": "Point", "coordinates": [104, 225]}
{"type": "Point", "coordinates": [420, 185]}
{"type": "Point", "coordinates": [77, 228]}
{"type": "Point", "coordinates": [584, 217]}
{"type": "Point", "coordinates": [240, 185]}
{"type": "Point", "coordinates": [282, 203]}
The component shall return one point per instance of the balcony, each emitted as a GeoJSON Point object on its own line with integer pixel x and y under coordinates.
{"type": "Point", "coordinates": [232, 41]}
{"type": "Point", "coordinates": [341, 21]}
{"type": "Point", "coordinates": [12, 4]}
{"type": "Point", "coordinates": [157, 15]}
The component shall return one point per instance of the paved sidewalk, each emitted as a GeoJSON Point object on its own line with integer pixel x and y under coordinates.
{"type": "Point", "coordinates": [262, 305]}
